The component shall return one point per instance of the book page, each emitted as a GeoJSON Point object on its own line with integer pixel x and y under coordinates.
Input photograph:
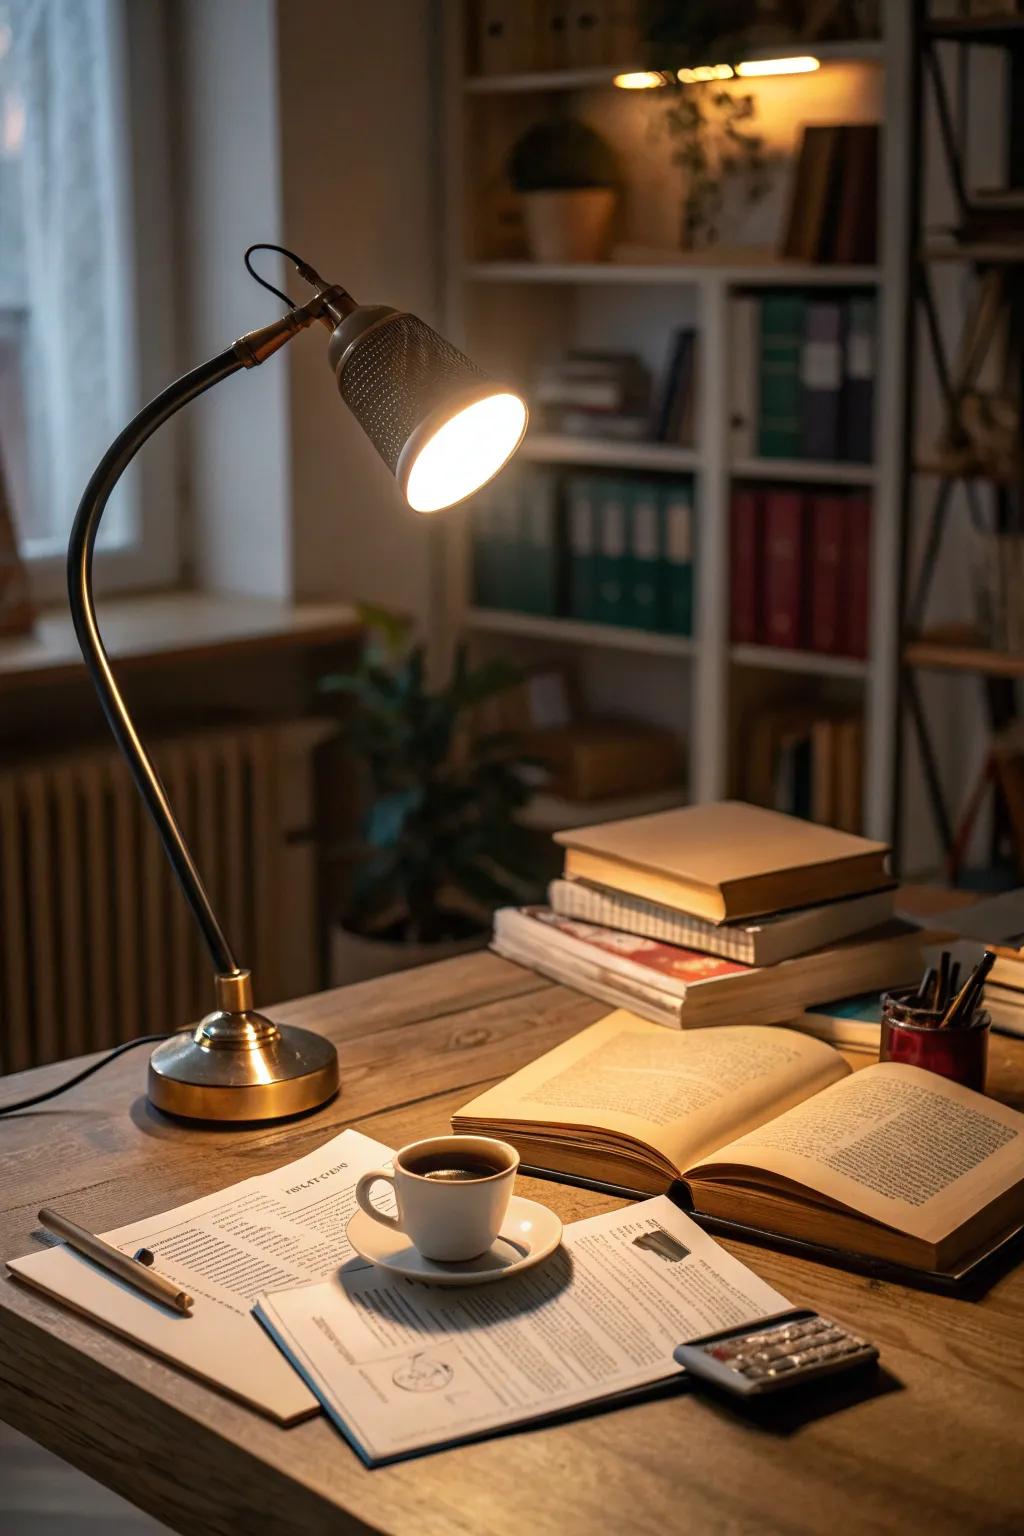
{"type": "Point", "coordinates": [681, 1094]}
{"type": "Point", "coordinates": [279, 1228]}
{"type": "Point", "coordinates": [897, 1144]}
{"type": "Point", "coordinates": [403, 1367]}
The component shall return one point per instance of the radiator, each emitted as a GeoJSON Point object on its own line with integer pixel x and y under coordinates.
{"type": "Point", "coordinates": [97, 943]}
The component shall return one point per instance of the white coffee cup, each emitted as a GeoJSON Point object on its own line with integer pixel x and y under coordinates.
{"type": "Point", "coordinates": [452, 1193]}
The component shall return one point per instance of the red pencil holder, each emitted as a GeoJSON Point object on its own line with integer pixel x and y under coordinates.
{"type": "Point", "coordinates": [911, 1035]}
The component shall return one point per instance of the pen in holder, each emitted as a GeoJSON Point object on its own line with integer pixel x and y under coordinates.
{"type": "Point", "coordinates": [935, 1027]}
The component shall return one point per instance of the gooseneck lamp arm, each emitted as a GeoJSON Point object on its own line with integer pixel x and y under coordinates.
{"type": "Point", "coordinates": [444, 429]}
{"type": "Point", "coordinates": [83, 614]}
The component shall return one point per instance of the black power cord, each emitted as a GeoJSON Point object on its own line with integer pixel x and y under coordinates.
{"type": "Point", "coordinates": [51, 1093]}
{"type": "Point", "coordinates": [302, 268]}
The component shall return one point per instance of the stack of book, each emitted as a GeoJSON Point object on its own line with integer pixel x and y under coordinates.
{"type": "Point", "coordinates": [804, 376]}
{"type": "Point", "coordinates": [800, 568]}
{"type": "Point", "coordinates": [595, 394]}
{"type": "Point", "coordinates": [717, 914]}
{"type": "Point", "coordinates": [1004, 990]}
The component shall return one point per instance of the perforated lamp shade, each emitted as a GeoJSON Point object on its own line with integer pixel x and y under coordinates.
{"type": "Point", "coordinates": [441, 425]}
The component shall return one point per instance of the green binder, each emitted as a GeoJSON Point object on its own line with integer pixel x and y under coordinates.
{"type": "Point", "coordinates": [613, 561]}
{"type": "Point", "coordinates": [506, 543]}
{"type": "Point", "coordinates": [581, 503]}
{"type": "Point", "coordinates": [677, 511]}
{"type": "Point", "coordinates": [646, 569]}
{"type": "Point", "coordinates": [781, 342]}
{"type": "Point", "coordinates": [537, 555]}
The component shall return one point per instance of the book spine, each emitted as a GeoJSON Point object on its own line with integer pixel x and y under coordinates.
{"type": "Point", "coordinates": [538, 545]}
{"type": "Point", "coordinates": [582, 548]}
{"type": "Point", "coordinates": [646, 565]}
{"type": "Point", "coordinates": [746, 535]}
{"type": "Point", "coordinates": [678, 575]}
{"type": "Point", "coordinates": [612, 545]}
{"type": "Point", "coordinates": [661, 410]}
{"type": "Point", "coordinates": [858, 406]}
{"type": "Point", "coordinates": [779, 375]}
{"type": "Point", "coordinates": [743, 416]}
{"type": "Point", "coordinates": [858, 574]}
{"type": "Point", "coordinates": [823, 772]}
{"type": "Point", "coordinates": [821, 377]}
{"type": "Point", "coordinates": [784, 568]}
{"type": "Point", "coordinates": [827, 563]}
{"type": "Point", "coordinates": [484, 562]}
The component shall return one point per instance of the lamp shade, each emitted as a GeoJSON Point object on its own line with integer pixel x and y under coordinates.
{"type": "Point", "coordinates": [441, 425]}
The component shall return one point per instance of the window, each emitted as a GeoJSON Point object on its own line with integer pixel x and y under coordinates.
{"type": "Point", "coordinates": [69, 260]}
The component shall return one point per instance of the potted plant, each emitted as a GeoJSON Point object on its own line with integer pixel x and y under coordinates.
{"type": "Point", "coordinates": [566, 176]}
{"type": "Point", "coordinates": [439, 848]}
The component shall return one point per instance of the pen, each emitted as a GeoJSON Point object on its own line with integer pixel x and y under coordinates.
{"type": "Point", "coordinates": [133, 1271]}
{"type": "Point", "coordinates": [966, 1001]}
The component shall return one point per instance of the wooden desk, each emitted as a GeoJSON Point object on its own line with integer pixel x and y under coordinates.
{"type": "Point", "coordinates": [940, 1451]}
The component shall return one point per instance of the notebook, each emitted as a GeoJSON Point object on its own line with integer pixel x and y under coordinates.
{"type": "Point", "coordinates": [772, 1130]}
{"type": "Point", "coordinates": [725, 861]}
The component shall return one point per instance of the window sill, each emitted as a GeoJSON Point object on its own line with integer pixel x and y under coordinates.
{"type": "Point", "coordinates": [169, 627]}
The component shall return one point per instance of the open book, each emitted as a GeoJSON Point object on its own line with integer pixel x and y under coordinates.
{"type": "Point", "coordinates": [771, 1129]}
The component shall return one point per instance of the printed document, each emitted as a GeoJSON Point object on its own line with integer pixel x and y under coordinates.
{"type": "Point", "coordinates": [403, 1366]}
{"type": "Point", "coordinates": [280, 1228]}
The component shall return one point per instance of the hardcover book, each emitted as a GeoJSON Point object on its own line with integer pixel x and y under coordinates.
{"type": "Point", "coordinates": [696, 989]}
{"type": "Point", "coordinates": [725, 861]}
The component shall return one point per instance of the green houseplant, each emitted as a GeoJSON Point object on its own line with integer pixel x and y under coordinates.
{"type": "Point", "coordinates": [438, 847]}
{"type": "Point", "coordinates": [565, 174]}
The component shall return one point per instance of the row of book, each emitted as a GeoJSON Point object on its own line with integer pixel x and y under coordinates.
{"type": "Point", "coordinates": [514, 36]}
{"type": "Point", "coordinates": [800, 568]}
{"type": "Point", "coordinates": [610, 395]}
{"type": "Point", "coordinates": [804, 376]}
{"type": "Point", "coordinates": [833, 206]}
{"type": "Point", "coordinates": [808, 762]}
{"type": "Point", "coordinates": [600, 548]}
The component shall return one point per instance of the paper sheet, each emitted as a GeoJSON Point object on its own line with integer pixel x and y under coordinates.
{"type": "Point", "coordinates": [280, 1228]}
{"type": "Point", "coordinates": [402, 1366]}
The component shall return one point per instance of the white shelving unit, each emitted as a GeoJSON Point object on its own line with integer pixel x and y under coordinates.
{"type": "Point", "coordinates": [690, 681]}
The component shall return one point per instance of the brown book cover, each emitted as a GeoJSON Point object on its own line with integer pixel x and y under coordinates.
{"type": "Point", "coordinates": [814, 179]}
{"type": "Point", "coordinates": [725, 861]}
{"type": "Point", "coordinates": [855, 231]}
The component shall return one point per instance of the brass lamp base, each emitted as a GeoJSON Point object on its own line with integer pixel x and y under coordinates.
{"type": "Point", "coordinates": [238, 1065]}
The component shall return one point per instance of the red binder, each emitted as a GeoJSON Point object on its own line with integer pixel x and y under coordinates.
{"type": "Point", "coordinates": [828, 528]}
{"type": "Point", "coordinates": [785, 568]}
{"type": "Point", "coordinates": [857, 544]}
{"type": "Point", "coordinates": [746, 557]}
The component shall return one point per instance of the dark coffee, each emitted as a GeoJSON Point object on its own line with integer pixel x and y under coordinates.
{"type": "Point", "coordinates": [453, 1167]}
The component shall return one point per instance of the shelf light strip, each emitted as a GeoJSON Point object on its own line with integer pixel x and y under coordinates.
{"type": "Point", "coordinates": [652, 79]}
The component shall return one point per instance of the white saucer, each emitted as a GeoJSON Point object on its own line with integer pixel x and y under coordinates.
{"type": "Point", "coordinates": [528, 1234]}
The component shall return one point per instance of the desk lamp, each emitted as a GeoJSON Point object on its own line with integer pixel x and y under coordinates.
{"type": "Point", "coordinates": [444, 429]}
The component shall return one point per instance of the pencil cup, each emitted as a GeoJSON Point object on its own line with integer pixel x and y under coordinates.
{"type": "Point", "coordinates": [912, 1036]}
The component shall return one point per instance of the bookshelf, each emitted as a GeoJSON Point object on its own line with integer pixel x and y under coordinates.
{"type": "Point", "coordinates": [508, 312]}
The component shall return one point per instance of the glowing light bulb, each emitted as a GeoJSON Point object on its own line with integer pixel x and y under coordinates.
{"type": "Point", "coordinates": [465, 452]}
{"type": "Point", "coordinates": [801, 64]}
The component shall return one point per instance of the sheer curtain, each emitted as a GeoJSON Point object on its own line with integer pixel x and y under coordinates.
{"type": "Point", "coordinates": [66, 290]}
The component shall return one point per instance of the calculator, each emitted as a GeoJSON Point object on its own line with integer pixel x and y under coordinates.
{"type": "Point", "coordinates": [781, 1351]}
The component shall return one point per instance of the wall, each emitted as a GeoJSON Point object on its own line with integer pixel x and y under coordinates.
{"type": "Point", "coordinates": [359, 154]}
{"type": "Point", "coordinates": [236, 442]}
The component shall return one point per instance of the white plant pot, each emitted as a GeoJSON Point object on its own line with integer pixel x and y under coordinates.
{"type": "Point", "coordinates": [569, 226]}
{"type": "Point", "coordinates": [356, 958]}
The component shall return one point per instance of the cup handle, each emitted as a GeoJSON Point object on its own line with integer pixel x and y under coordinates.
{"type": "Point", "coordinates": [364, 1184]}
